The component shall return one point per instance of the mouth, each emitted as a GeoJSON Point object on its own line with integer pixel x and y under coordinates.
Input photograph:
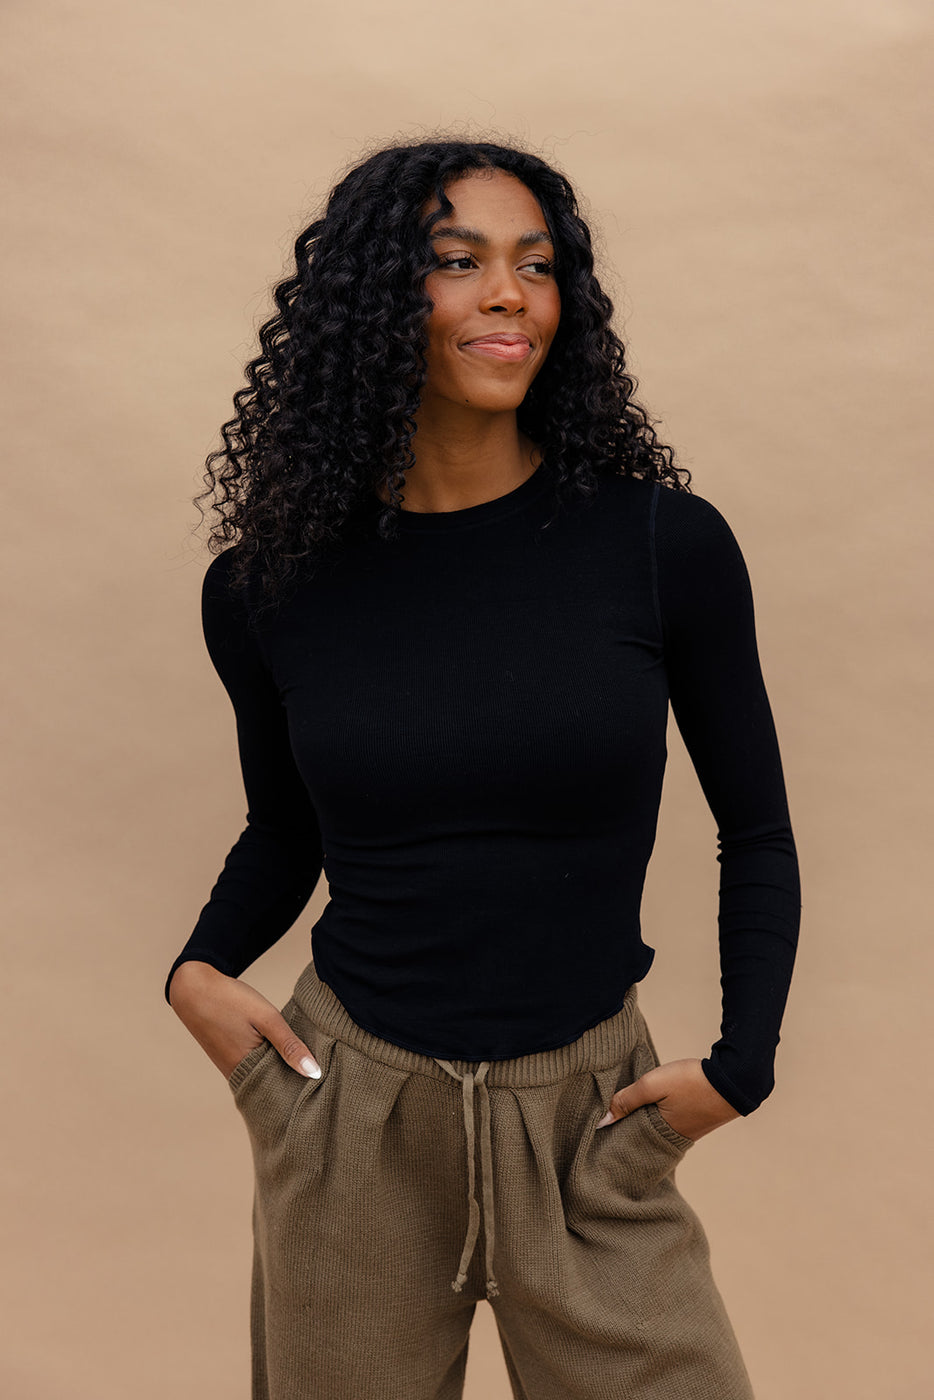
{"type": "Point", "coordinates": [504, 345]}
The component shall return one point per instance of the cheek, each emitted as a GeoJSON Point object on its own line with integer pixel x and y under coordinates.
{"type": "Point", "coordinates": [442, 355]}
{"type": "Point", "coordinates": [553, 313]}
{"type": "Point", "coordinates": [442, 327]}
{"type": "Point", "coordinates": [443, 302]}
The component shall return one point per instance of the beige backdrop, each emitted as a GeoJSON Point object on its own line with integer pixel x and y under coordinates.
{"type": "Point", "coordinates": [756, 176]}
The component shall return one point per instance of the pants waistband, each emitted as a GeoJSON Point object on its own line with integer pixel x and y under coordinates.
{"type": "Point", "coordinates": [598, 1047]}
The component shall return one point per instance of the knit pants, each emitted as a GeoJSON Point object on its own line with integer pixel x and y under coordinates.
{"type": "Point", "coordinates": [396, 1190]}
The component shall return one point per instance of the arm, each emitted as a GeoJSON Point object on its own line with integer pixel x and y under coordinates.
{"type": "Point", "coordinates": [719, 701]}
{"type": "Point", "coordinates": [271, 871]}
{"type": "Point", "coordinates": [705, 611]}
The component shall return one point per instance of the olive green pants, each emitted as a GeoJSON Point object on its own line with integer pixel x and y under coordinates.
{"type": "Point", "coordinates": [396, 1190]}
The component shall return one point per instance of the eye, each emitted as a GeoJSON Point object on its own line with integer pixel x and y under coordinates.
{"type": "Point", "coordinates": [463, 261]}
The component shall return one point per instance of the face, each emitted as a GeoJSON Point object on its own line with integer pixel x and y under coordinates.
{"type": "Point", "coordinates": [495, 278]}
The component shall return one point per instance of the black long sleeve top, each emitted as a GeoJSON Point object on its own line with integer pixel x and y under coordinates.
{"type": "Point", "coordinates": [466, 729]}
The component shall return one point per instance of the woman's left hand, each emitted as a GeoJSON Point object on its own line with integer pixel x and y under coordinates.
{"type": "Point", "coordinates": [685, 1096]}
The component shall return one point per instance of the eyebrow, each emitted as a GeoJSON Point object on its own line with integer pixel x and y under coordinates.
{"type": "Point", "coordinates": [473, 235]}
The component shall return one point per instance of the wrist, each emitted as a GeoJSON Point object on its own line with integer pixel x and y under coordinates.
{"type": "Point", "coordinates": [192, 974]}
{"type": "Point", "coordinates": [727, 1090]}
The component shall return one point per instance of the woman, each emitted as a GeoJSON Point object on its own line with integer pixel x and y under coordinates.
{"type": "Point", "coordinates": [467, 581]}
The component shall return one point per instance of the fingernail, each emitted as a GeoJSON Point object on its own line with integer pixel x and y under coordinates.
{"type": "Point", "coordinates": [606, 1120]}
{"type": "Point", "coordinates": [310, 1067]}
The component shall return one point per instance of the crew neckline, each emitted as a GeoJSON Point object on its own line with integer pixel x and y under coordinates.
{"type": "Point", "coordinates": [467, 516]}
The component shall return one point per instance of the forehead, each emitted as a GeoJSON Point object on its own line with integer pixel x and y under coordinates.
{"type": "Point", "coordinates": [493, 199]}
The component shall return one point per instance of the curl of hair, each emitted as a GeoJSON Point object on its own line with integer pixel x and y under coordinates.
{"type": "Point", "coordinates": [328, 410]}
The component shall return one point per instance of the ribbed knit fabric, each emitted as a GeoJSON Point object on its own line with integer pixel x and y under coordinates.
{"type": "Point", "coordinates": [603, 1282]}
{"type": "Point", "coordinates": [466, 729]}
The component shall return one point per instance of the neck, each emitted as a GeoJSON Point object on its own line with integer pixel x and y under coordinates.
{"type": "Point", "coordinates": [465, 458]}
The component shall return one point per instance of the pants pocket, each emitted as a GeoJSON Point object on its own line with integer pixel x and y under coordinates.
{"type": "Point", "coordinates": [268, 1092]}
{"type": "Point", "coordinates": [661, 1125]}
{"type": "Point", "coordinates": [631, 1159]}
{"type": "Point", "coordinates": [243, 1068]}
{"type": "Point", "coordinates": [647, 1058]}
{"type": "Point", "coordinates": [646, 1147]}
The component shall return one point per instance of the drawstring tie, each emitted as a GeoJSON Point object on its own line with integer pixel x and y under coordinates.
{"type": "Point", "coordinates": [468, 1081]}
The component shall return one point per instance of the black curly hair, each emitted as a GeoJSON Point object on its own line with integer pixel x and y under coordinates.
{"type": "Point", "coordinates": [328, 413]}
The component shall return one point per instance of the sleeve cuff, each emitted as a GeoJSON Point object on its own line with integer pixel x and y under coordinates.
{"type": "Point", "coordinates": [728, 1090]}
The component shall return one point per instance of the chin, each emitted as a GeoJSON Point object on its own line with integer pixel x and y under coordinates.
{"type": "Point", "coordinates": [506, 400]}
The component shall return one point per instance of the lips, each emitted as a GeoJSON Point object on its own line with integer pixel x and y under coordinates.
{"type": "Point", "coordinates": [503, 345]}
{"type": "Point", "coordinates": [501, 338]}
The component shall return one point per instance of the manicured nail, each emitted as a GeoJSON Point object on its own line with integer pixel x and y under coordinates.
{"type": "Point", "coordinates": [606, 1120]}
{"type": "Point", "coordinates": [310, 1067]}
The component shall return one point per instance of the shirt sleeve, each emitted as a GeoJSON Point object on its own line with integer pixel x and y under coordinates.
{"type": "Point", "coordinates": [272, 870]}
{"type": "Point", "coordinates": [719, 701]}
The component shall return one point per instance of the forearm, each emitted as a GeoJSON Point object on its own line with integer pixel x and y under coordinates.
{"type": "Point", "coordinates": [265, 885]}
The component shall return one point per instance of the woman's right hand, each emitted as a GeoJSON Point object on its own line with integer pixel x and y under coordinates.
{"type": "Point", "coordinates": [228, 1019]}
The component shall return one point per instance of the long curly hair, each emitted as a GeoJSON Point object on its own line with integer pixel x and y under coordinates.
{"type": "Point", "coordinates": [328, 411]}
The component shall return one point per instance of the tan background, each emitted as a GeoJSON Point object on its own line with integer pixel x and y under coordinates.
{"type": "Point", "coordinates": [756, 175]}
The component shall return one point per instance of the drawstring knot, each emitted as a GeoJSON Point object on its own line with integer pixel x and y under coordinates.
{"type": "Point", "coordinates": [469, 1081]}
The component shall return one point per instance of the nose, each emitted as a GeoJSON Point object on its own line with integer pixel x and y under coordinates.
{"type": "Point", "coordinates": [501, 290]}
